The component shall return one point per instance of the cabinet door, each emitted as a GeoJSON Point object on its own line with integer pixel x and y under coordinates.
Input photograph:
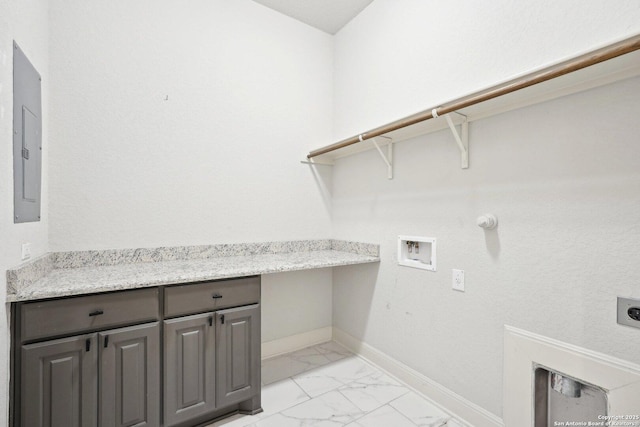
{"type": "Point", "coordinates": [238, 354]}
{"type": "Point", "coordinates": [130, 377]}
{"type": "Point", "coordinates": [189, 368]}
{"type": "Point", "coordinates": [59, 383]}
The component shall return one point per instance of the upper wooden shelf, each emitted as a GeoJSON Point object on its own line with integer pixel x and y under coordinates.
{"type": "Point", "coordinates": [597, 68]}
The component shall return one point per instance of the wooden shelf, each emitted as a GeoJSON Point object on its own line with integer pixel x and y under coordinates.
{"type": "Point", "coordinates": [608, 71]}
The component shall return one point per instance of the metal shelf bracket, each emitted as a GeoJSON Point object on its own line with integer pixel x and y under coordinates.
{"type": "Point", "coordinates": [462, 140]}
{"type": "Point", "coordinates": [387, 159]}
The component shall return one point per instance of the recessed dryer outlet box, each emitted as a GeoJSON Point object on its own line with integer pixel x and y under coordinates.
{"type": "Point", "coordinates": [629, 312]}
{"type": "Point", "coordinates": [417, 252]}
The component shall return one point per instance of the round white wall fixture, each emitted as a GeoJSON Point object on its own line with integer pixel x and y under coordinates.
{"type": "Point", "coordinates": [487, 221]}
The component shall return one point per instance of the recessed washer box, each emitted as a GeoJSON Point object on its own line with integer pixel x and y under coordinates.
{"type": "Point", "coordinates": [417, 252]}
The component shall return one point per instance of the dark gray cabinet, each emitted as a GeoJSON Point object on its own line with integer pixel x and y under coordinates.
{"type": "Point", "coordinates": [238, 354]}
{"type": "Point", "coordinates": [175, 356]}
{"type": "Point", "coordinates": [129, 377]}
{"type": "Point", "coordinates": [189, 362]}
{"type": "Point", "coordinates": [103, 374]}
{"type": "Point", "coordinates": [210, 296]}
{"type": "Point", "coordinates": [60, 377]}
{"type": "Point", "coordinates": [111, 379]}
{"type": "Point", "coordinates": [212, 359]}
{"type": "Point", "coordinates": [72, 316]}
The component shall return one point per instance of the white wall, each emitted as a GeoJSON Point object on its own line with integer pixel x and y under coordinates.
{"type": "Point", "coordinates": [249, 93]}
{"type": "Point", "coordinates": [562, 179]}
{"type": "Point", "coordinates": [295, 302]}
{"type": "Point", "coordinates": [402, 56]}
{"type": "Point", "coordinates": [25, 22]}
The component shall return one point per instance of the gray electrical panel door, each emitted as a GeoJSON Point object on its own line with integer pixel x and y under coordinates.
{"type": "Point", "coordinates": [27, 138]}
{"type": "Point", "coordinates": [59, 383]}
{"type": "Point", "coordinates": [238, 354]}
{"type": "Point", "coordinates": [189, 368]}
{"type": "Point", "coordinates": [130, 377]}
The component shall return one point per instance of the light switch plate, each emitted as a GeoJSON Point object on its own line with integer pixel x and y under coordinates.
{"type": "Point", "coordinates": [458, 280]}
{"type": "Point", "coordinates": [624, 304]}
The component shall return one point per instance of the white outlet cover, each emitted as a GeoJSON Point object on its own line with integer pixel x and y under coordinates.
{"type": "Point", "coordinates": [458, 280]}
{"type": "Point", "coordinates": [26, 251]}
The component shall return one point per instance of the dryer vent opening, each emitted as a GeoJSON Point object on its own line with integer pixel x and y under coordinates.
{"type": "Point", "coordinates": [560, 398]}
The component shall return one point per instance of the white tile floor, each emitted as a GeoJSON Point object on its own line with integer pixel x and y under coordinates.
{"type": "Point", "coordinates": [326, 385]}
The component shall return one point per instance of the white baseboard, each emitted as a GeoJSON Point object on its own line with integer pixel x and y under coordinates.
{"type": "Point", "coordinates": [296, 342]}
{"type": "Point", "coordinates": [460, 407]}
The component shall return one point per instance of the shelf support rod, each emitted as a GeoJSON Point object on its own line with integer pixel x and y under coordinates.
{"type": "Point", "coordinates": [614, 50]}
{"type": "Point", "coordinates": [388, 159]}
{"type": "Point", "coordinates": [461, 140]}
{"type": "Point", "coordinates": [312, 163]}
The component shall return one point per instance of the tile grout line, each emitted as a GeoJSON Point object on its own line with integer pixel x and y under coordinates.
{"type": "Point", "coordinates": [405, 415]}
{"type": "Point", "coordinates": [375, 368]}
{"type": "Point", "coordinates": [337, 389]}
{"type": "Point", "coordinates": [301, 388]}
{"type": "Point", "coordinates": [383, 405]}
{"type": "Point", "coordinates": [394, 409]}
{"type": "Point", "coordinates": [438, 406]}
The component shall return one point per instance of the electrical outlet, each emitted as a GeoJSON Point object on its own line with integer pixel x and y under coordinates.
{"type": "Point", "coordinates": [629, 312]}
{"type": "Point", "coordinates": [26, 251]}
{"type": "Point", "coordinates": [458, 280]}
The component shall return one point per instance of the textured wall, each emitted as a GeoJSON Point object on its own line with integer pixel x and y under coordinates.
{"type": "Point", "coordinates": [249, 92]}
{"type": "Point", "coordinates": [402, 56]}
{"type": "Point", "coordinates": [562, 179]}
{"type": "Point", "coordinates": [295, 302]}
{"type": "Point", "coordinates": [27, 23]}
{"type": "Point", "coordinates": [566, 189]}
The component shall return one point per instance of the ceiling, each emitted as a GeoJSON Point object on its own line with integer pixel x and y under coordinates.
{"type": "Point", "coordinates": [326, 15]}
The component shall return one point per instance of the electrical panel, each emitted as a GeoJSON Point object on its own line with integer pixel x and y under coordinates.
{"type": "Point", "coordinates": [27, 138]}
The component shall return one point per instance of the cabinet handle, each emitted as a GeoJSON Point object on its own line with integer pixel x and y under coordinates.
{"type": "Point", "coordinates": [87, 344]}
{"type": "Point", "coordinates": [222, 319]}
{"type": "Point", "coordinates": [211, 321]}
{"type": "Point", "coordinates": [106, 341]}
{"type": "Point", "coordinates": [96, 313]}
{"type": "Point", "coordinates": [216, 296]}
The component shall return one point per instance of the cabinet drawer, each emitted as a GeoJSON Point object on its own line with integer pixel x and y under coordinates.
{"type": "Point", "coordinates": [78, 314]}
{"type": "Point", "coordinates": [208, 296]}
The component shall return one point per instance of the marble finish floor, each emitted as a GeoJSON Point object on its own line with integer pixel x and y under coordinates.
{"type": "Point", "coordinates": [326, 385]}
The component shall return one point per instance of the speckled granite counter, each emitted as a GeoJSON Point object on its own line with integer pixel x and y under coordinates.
{"type": "Point", "coordinates": [75, 273]}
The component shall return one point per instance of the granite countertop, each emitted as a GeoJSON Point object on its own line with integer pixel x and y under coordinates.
{"type": "Point", "coordinates": [76, 273]}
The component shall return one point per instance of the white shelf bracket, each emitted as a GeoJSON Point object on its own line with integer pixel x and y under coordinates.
{"type": "Point", "coordinates": [388, 158]}
{"type": "Point", "coordinates": [312, 163]}
{"type": "Point", "coordinates": [461, 140]}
